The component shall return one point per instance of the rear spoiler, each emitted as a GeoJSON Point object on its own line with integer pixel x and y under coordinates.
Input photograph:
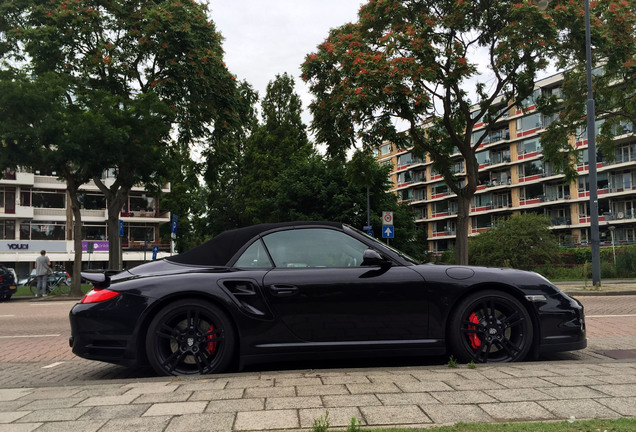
{"type": "Point", "coordinates": [99, 280]}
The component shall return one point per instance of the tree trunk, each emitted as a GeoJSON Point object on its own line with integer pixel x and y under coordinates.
{"type": "Point", "coordinates": [461, 230]}
{"type": "Point", "coordinates": [76, 281]}
{"type": "Point", "coordinates": [115, 198]}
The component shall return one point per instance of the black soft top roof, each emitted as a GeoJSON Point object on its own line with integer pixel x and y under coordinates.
{"type": "Point", "coordinates": [219, 250]}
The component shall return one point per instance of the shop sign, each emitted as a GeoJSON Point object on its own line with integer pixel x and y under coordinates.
{"type": "Point", "coordinates": [32, 246]}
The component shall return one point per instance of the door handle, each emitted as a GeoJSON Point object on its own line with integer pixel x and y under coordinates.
{"type": "Point", "coordinates": [283, 290]}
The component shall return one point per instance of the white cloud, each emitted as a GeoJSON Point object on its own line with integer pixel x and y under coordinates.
{"type": "Point", "coordinates": [265, 38]}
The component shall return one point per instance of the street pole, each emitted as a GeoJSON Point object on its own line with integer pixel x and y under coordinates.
{"type": "Point", "coordinates": [591, 149]}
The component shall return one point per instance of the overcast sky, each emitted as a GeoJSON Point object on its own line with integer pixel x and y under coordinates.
{"type": "Point", "coordinates": [268, 37]}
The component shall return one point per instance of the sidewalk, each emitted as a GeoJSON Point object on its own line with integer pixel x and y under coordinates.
{"type": "Point", "coordinates": [378, 397]}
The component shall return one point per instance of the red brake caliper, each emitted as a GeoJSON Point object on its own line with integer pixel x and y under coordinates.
{"type": "Point", "coordinates": [212, 345]}
{"type": "Point", "coordinates": [475, 342]}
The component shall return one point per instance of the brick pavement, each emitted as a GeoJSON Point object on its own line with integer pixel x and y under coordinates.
{"type": "Point", "coordinates": [81, 395]}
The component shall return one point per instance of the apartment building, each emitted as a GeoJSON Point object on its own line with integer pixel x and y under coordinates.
{"type": "Point", "coordinates": [35, 214]}
{"type": "Point", "coordinates": [515, 178]}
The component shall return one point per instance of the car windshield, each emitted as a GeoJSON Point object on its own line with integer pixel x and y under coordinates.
{"type": "Point", "coordinates": [399, 252]}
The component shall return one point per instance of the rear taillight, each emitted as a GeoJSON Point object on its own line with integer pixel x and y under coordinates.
{"type": "Point", "coordinates": [98, 295]}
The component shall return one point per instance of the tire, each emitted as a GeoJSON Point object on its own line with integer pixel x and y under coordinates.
{"type": "Point", "coordinates": [490, 326]}
{"type": "Point", "coordinates": [190, 337]}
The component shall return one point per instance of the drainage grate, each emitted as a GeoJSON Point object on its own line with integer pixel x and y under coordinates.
{"type": "Point", "coordinates": [619, 354]}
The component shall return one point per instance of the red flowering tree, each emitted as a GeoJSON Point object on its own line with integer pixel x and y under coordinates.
{"type": "Point", "coordinates": [613, 43]}
{"type": "Point", "coordinates": [90, 85]}
{"type": "Point", "coordinates": [403, 73]}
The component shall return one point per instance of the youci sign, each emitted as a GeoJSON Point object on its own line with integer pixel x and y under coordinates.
{"type": "Point", "coordinates": [15, 246]}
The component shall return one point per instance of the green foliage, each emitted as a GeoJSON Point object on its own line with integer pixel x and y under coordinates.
{"type": "Point", "coordinates": [321, 424]}
{"type": "Point", "coordinates": [614, 50]}
{"type": "Point", "coordinates": [521, 241]}
{"type": "Point", "coordinates": [472, 365]}
{"type": "Point", "coordinates": [452, 362]}
{"type": "Point", "coordinates": [405, 60]}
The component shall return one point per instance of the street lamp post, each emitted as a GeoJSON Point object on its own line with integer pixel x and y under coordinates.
{"type": "Point", "coordinates": [612, 228]}
{"type": "Point", "coordinates": [591, 149]}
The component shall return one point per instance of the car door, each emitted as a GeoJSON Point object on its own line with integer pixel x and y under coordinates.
{"type": "Point", "coordinates": [319, 289]}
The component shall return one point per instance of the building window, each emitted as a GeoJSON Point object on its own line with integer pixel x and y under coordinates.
{"type": "Point", "coordinates": [93, 232]}
{"type": "Point", "coordinates": [386, 149]}
{"type": "Point", "coordinates": [141, 233]}
{"type": "Point", "coordinates": [7, 230]}
{"type": "Point", "coordinates": [529, 146]}
{"type": "Point", "coordinates": [46, 199]}
{"type": "Point", "coordinates": [530, 169]}
{"type": "Point", "coordinates": [46, 230]}
{"type": "Point", "coordinates": [90, 201]}
{"type": "Point", "coordinates": [528, 123]}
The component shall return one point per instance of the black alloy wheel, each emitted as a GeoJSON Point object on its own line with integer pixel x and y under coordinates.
{"type": "Point", "coordinates": [190, 337]}
{"type": "Point", "coordinates": [490, 326]}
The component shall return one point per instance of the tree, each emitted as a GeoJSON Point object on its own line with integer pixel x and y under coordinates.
{"type": "Point", "coordinates": [521, 241]}
{"type": "Point", "coordinates": [407, 65]}
{"type": "Point", "coordinates": [273, 147]}
{"type": "Point", "coordinates": [614, 79]}
{"type": "Point", "coordinates": [151, 71]}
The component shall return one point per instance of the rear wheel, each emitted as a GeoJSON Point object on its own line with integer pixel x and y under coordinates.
{"type": "Point", "coordinates": [490, 326]}
{"type": "Point", "coordinates": [190, 337]}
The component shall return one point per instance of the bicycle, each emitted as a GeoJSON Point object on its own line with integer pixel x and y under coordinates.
{"type": "Point", "coordinates": [58, 282]}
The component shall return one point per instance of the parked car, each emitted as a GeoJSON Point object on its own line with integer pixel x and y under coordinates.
{"type": "Point", "coordinates": [8, 286]}
{"type": "Point", "coordinates": [315, 289]}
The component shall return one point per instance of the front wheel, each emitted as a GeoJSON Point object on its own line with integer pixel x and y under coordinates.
{"type": "Point", "coordinates": [190, 337]}
{"type": "Point", "coordinates": [490, 326]}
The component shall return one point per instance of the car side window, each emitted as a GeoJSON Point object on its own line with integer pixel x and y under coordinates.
{"type": "Point", "coordinates": [254, 256]}
{"type": "Point", "coordinates": [314, 247]}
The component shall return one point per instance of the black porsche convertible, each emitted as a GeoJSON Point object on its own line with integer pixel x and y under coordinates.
{"type": "Point", "coordinates": [316, 290]}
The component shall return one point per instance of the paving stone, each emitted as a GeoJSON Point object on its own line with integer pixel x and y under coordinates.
{"type": "Point", "coordinates": [406, 398]}
{"type": "Point", "coordinates": [428, 386]}
{"type": "Point", "coordinates": [260, 392]}
{"type": "Point", "coordinates": [151, 387]}
{"type": "Point", "coordinates": [392, 378]}
{"type": "Point", "coordinates": [61, 414]}
{"type": "Point", "coordinates": [373, 388]}
{"type": "Point", "coordinates": [338, 417]}
{"type": "Point", "coordinates": [202, 385]}
{"type": "Point", "coordinates": [179, 396]}
{"type": "Point", "coordinates": [293, 402]}
{"type": "Point", "coordinates": [234, 393]}
{"type": "Point", "coordinates": [52, 404]}
{"type": "Point", "coordinates": [625, 406]}
{"type": "Point", "coordinates": [217, 422]}
{"type": "Point", "coordinates": [286, 382]}
{"type": "Point", "coordinates": [145, 424]}
{"type": "Point", "coordinates": [618, 379]}
{"type": "Point", "coordinates": [236, 405]}
{"type": "Point", "coordinates": [321, 390]}
{"type": "Point", "coordinates": [518, 395]}
{"type": "Point", "coordinates": [264, 420]}
{"type": "Point", "coordinates": [13, 394]}
{"type": "Point", "coordinates": [391, 415]}
{"type": "Point", "coordinates": [570, 381]}
{"type": "Point", "coordinates": [175, 408]}
{"type": "Point", "coordinates": [459, 397]}
{"type": "Point", "coordinates": [19, 427]}
{"type": "Point", "coordinates": [345, 379]}
{"type": "Point", "coordinates": [249, 383]}
{"type": "Point", "coordinates": [451, 414]}
{"type": "Point", "coordinates": [530, 382]}
{"type": "Point", "coordinates": [115, 411]}
{"type": "Point", "coordinates": [481, 384]}
{"type": "Point", "coordinates": [51, 393]}
{"type": "Point", "coordinates": [617, 389]}
{"type": "Point", "coordinates": [350, 400]}
{"type": "Point", "coordinates": [578, 392]}
{"type": "Point", "coordinates": [72, 426]}
{"type": "Point", "coordinates": [510, 411]}
{"type": "Point", "coordinates": [109, 400]}
{"type": "Point", "coordinates": [579, 408]}
{"type": "Point", "coordinates": [9, 416]}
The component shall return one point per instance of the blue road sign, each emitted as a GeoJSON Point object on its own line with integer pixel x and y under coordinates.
{"type": "Point", "coordinates": [155, 249]}
{"type": "Point", "coordinates": [174, 224]}
{"type": "Point", "coordinates": [121, 228]}
{"type": "Point", "coordinates": [388, 231]}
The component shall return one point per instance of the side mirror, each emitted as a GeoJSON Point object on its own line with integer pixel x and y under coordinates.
{"type": "Point", "coordinates": [372, 258]}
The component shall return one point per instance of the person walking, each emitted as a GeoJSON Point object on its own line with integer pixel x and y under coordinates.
{"type": "Point", "coordinates": [42, 270]}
